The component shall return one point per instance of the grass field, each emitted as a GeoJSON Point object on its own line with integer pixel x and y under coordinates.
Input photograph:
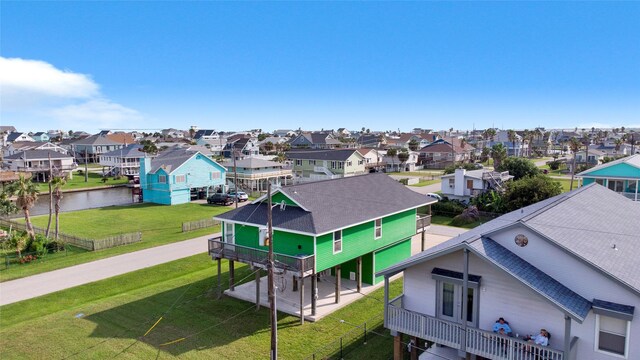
{"type": "Point", "coordinates": [77, 182]}
{"type": "Point", "coordinates": [446, 220]}
{"type": "Point", "coordinates": [159, 225]}
{"type": "Point", "coordinates": [116, 313]}
{"type": "Point", "coordinates": [427, 182]}
{"type": "Point", "coordinates": [566, 184]}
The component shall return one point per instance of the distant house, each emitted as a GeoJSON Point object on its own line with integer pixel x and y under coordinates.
{"type": "Point", "coordinates": [254, 174]}
{"type": "Point", "coordinates": [216, 146]}
{"type": "Point", "coordinates": [595, 157]}
{"type": "Point", "coordinates": [621, 176]}
{"type": "Point", "coordinates": [567, 264]}
{"type": "Point", "coordinates": [241, 146]}
{"type": "Point", "coordinates": [373, 159]}
{"type": "Point", "coordinates": [275, 142]}
{"type": "Point", "coordinates": [18, 136]}
{"type": "Point", "coordinates": [344, 132]}
{"type": "Point", "coordinates": [371, 140]}
{"type": "Point", "coordinates": [442, 152]}
{"type": "Point", "coordinates": [204, 134]}
{"type": "Point", "coordinates": [393, 164]}
{"type": "Point", "coordinates": [7, 129]}
{"type": "Point", "coordinates": [464, 184]}
{"type": "Point", "coordinates": [317, 140]}
{"type": "Point", "coordinates": [344, 228]}
{"type": "Point", "coordinates": [517, 148]}
{"type": "Point", "coordinates": [89, 149]}
{"type": "Point", "coordinates": [40, 136]}
{"type": "Point", "coordinates": [37, 163]}
{"type": "Point", "coordinates": [314, 165]}
{"type": "Point", "coordinates": [172, 133]}
{"type": "Point", "coordinates": [405, 139]}
{"type": "Point", "coordinates": [20, 146]}
{"type": "Point", "coordinates": [122, 138]}
{"type": "Point", "coordinates": [124, 161]}
{"type": "Point", "coordinates": [175, 175]}
{"type": "Point", "coordinates": [284, 133]}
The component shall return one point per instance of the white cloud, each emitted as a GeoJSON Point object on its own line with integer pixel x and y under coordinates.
{"type": "Point", "coordinates": [36, 89]}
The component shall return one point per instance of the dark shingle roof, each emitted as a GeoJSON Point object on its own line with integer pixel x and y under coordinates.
{"type": "Point", "coordinates": [13, 136]}
{"type": "Point", "coordinates": [336, 155]}
{"type": "Point", "coordinates": [334, 204]}
{"type": "Point", "coordinates": [170, 159]}
{"type": "Point", "coordinates": [611, 306]}
{"type": "Point", "coordinates": [132, 150]}
{"type": "Point", "coordinates": [254, 163]}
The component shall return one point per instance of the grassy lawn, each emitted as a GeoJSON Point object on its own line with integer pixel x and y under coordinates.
{"type": "Point", "coordinates": [118, 311]}
{"type": "Point", "coordinates": [78, 182]}
{"type": "Point", "coordinates": [566, 184]}
{"type": "Point", "coordinates": [446, 220]}
{"type": "Point", "coordinates": [419, 173]}
{"type": "Point", "coordinates": [159, 225]}
{"type": "Point", "coordinates": [427, 182]}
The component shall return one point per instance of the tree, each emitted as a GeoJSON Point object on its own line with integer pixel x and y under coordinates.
{"type": "Point", "coordinates": [513, 137]}
{"type": "Point", "coordinates": [26, 193]}
{"type": "Point", "coordinates": [7, 207]}
{"type": "Point", "coordinates": [530, 190]}
{"type": "Point", "coordinates": [149, 147]}
{"type": "Point", "coordinates": [261, 137]}
{"type": "Point", "coordinates": [413, 145]}
{"type": "Point", "coordinates": [70, 132]}
{"type": "Point", "coordinates": [268, 146]}
{"type": "Point", "coordinates": [57, 182]}
{"type": "Point", "coordinates": [574, 145]}
{"type": "Point", "coordinates": [192, 132]}
{"type": "Point", "coordinates": [403, 156]}
{"type": "Point", "coordinates": [280, 157]}
{"type": "Point", "coordinates": [498, 154]}
{"type": "Point", "coordinates": [392, 154]}
{"type": "Point", "coordinates": [518, 167]}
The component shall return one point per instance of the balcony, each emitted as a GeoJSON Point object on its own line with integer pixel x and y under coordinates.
{"type": "Point", "coordinates": [300, 265]}
{"type": "Point", "coordinates": [631, 195]}
{"type": "Point", "coordinates": [423, 221]}
{"type": "Point", "coordinates": [478, 342]}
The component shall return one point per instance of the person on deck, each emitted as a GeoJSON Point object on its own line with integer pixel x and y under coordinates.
{"type": "Point", "coordinates": [502, 324]}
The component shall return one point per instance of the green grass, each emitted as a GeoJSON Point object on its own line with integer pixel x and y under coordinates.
{"type": "Point", "coordinates": [118, 311]}
{"type": "Point", "coordinates": [159, 224]}
{"type": "Point", "coordinates": [77, 182]}
{"type": "Point", "coordinates": [425, 173]}
{"type": "Point", "coordinates": [427, 182]}
{"type": "Point", "coordinates": [446, 220]}
{"type": "Point", "coordinates": [566, 184]}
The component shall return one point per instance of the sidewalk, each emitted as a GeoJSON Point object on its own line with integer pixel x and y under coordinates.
{"type": "Point", "coordinates": [52, 281]}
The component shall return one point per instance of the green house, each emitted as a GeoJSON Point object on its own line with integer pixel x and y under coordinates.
{"type": "Point", "coordinates": [350, 228]}
{"type": "Point", "coordinates": [621, 176]}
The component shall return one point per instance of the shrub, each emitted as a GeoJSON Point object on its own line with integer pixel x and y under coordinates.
{"type": "Point", "coordinates": [468, 216]}
{"type": "Point", "coordinates": [448, 207]}
{"type": "Point", "coordinates": [518, 167]}
{"type": "Point", "coordinates": [554, 165]}
{"type": "Point", "coordinates": [529, 191]}
{"type": "Point", "coordinates": [404, 181]}
{"type": "Point", "coordinates": [39, 245]}
{"type": "Point", "coordinates": [452, 168]}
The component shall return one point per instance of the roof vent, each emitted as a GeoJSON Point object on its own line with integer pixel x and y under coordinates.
{"type": "Point", "coordinates": [614, 247]}
{"type": "Point", "coordinates": [283, 205]}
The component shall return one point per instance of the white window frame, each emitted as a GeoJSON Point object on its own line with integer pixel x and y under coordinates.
{"type": "Point", "coordinates": [227, 226]}
{"type": "Point", "coordinates": [312, 162]}
{"type": "Point", "coordinates": [376, 227]}
{"type": "Point", "coordinates": [162, 179]}
{"type": "Point", "coordinates": [336, 241]}
{"type": "Point", "coordinates": [596, 343]}
{"type": "Point", "coordinates": [181, 178]}
{"type": "Point", "coordinates": [298, 162]}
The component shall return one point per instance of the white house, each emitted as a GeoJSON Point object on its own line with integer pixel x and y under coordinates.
{"type": "Point", "coordinates": [465, 184]}
{"type": "Point", "coordinates": [125, 161]}
{"type": "Point", "coordinates": [32, 145]}
{"type": "Point", "coordinates": [568, 264]}
{"type": "Point", "coordinates": [37, 163]}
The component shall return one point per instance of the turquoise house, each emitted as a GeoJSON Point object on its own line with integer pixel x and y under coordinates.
{"type": "Point", "coordinates": [41, 136]}
{"type": "Point", "coordinates": [621, 176]}
{"type": "Point", "coordinates": [174, 176]}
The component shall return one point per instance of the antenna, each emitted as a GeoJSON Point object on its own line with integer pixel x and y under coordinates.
{"type": "Point", "coordinates": [283, 205]}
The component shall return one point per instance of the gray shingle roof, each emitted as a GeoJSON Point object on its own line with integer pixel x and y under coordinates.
{"type": "Point", "coordinates": [608, 305]}
{"type": "Point", "coordinates": [132, 150]}
{"type": "Point", "coordinates": [336, 204]}
{"type": "Point", "coordinates": [254, 163]}
{"type": "Point", "coordinates": [170, 159]}
{"type": "Point", "coordinates": [37, 154]}
{"type": "Point", "coordinates": [14, 135]}
{"type": "Point", "coordinates": [335, 155]}
{"type": "Point", "coordinates": [95, 140]}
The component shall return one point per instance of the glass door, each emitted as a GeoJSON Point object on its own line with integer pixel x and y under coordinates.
{"type": "Point", "coordinates": [451, 301]}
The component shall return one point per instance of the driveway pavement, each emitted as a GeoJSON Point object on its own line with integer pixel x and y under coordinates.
{"type": "Point", "coordinates": [52, 281]}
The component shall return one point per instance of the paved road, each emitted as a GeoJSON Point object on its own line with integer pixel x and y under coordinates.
{"type": "Point", "coordinates": [52, 281]}
{"type": "Point", "coordinates": [426, 189]}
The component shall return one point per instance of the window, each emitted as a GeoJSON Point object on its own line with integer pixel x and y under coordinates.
{"type": "Point", "coordinates": [469, 184]}
{"type": "Point", "coordinates": [333, 164]}
{"type": "Point", "coordinates": [349, 163]}
{"type": "Point", "coordinates": [616, 185]}
{"type": "Point", "coordinates": [360, 162]}
{"type": "Point", "coordinates": [612, 335]}
{"type": "Point", "coordinates": [229, 232]}
{"type": "Point", "coordinates": [600, 182]}
{"type": "Point", "coordinates": [312, 162]}
{"type": "Point", "coordinates": [337, 241]}
{"type": "Point", "coordinates": [215, 175]}
{"type": "Point", "coordinates": [340, 164]}
{"type": "Point", "coordinates": [181, 178]}
{"type": "Point", "coordinates": [378, 229]}
{"type": "Point", "coordinates": [162, 179]}
{"type": "Point", "coordinates": [298, 162]}
{"type": "Point", "coordinates": [452, 182]}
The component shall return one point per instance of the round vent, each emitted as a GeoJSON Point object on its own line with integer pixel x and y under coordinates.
{"type": "Point", "coordinates": [521, 240]}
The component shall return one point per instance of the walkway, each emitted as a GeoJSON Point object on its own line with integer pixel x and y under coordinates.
{"type": "Point", "coordinates": [52, 281]}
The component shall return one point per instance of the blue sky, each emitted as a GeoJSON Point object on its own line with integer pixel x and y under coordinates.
{"type": "Point", "coordinates": [381, 65]}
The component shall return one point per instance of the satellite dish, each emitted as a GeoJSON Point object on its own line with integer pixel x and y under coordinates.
{"type": "Point", "coordinates": [283, 205]}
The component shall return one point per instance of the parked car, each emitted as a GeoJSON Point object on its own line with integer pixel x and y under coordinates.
{"type": "Point", "coordinates": [435, 196]}
{"type": "Point", "coordinates": [242, 196]}
{"type": "Point", "coordinates": [220, 198]}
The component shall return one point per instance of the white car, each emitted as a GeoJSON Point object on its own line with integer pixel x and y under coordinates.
{"type": "Point", "coordinates": [435, 196]}
{"type": "Point", "coordinates": [242, 196]}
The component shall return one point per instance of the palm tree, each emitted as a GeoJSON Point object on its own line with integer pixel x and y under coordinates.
{"type": "Point", "coordinates": [26, 193]}
{"type": "Point", "coordinates": [413, 145]}
{"type": "Point", "coordinates": [498, 154]}
{"type": "Point", "coordinates": [392, 153]}
{"type": "Point", "coordinates": [57, 183]}
{"type": "Point", "coordinates": [403, 156]}
{"type": "Point", "coordinates": [586, 141]}
{"type": "Point", "coordinates": [574, 145]}
{"type": "Point", "coordinates": [512, 136]}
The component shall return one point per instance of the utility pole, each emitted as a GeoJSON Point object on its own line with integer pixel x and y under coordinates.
{"type": "Point", "coordinates": [50, 194]}
{"type": "Point", "coordinates": [86, 173]}
{"type": "Point", "coordinates": [272, 287]}
{"type": "Point", "coordinates": [235, 179]}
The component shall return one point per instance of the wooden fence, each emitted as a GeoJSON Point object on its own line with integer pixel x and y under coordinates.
{"type": "Point", "coordinates": [199, 224]}
{"type": "Point", "coordinates": [87, 244]}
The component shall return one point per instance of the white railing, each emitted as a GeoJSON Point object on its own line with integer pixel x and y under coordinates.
{"type": "Point", "coordinates": [479, 342]}
{"type": "Point", "coordinates": [630, 195]}
{"type": "Point", "coordinates": [316, 177]}
{"type": "Point", "coordinates": [322, 169]}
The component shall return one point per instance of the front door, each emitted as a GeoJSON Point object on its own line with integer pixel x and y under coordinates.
{"type": "Point", "coordinates": [451, 302]}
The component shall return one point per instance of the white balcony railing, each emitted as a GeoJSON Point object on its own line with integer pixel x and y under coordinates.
{"type": "Point", "coordinates": [630, 195]}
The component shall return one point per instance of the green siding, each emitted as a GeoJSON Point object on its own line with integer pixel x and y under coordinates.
{"type": "Point", "coordinates": [279, 197]}
{"type": "Point", "coordinates": [618, 170]}
{"type": "Point", "coordinates": [283, 242]}
{"type": "Point", "coordinates": [351, 266]}
{"type": "Point", "coordinates": [359, 240]}
{"type": "Point", "coordinates": [391, 256]}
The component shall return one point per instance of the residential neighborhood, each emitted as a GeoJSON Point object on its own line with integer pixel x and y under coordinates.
{"type": "Point", "coordinates": [319, 180]}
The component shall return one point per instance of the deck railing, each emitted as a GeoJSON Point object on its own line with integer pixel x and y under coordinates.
{"type": "Point", "coordinates": [219, 249]}
{"type": "Point", "coordinates": [479, 342]}
{"type": "Point", "coordinates": [422, 222]}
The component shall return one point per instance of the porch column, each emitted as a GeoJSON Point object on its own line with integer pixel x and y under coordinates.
{"type": "Point", "coordinates": [232, 285]}
{"type": "Point", "coordinates": [295, 283]}
{"type": "Point", "coordinates": [219, 280]}
{"type": "Point", "coordinates": [414, 348]}
{"type": "Point", "coordinates": [338, 275]}
{"type": "Point", "coordinates": [258, 289]}
{"type": "Point", "coordinates": [637, 185]}
{"type": "Point", "coordinates": [567, 337]}
{"type": "Point", "coordinates": [465, 295]}
{"type": "Point", "coordinates": [359, 274]}
{"type": "Point", "coordinates": [314, 293]}
{"type": "Point", "coordinates": [397, 347]}
{"type": "Point", "coordinates": [301, 301]}
{"type": "Point", "coordinates": [386, 299]}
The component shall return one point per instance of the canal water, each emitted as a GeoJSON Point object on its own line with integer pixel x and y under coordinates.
{"type": "Point", "coordinates": [72, 201]}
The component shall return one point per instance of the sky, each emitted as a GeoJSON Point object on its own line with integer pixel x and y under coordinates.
{"type": "Point", "coordinates": [313, 65]}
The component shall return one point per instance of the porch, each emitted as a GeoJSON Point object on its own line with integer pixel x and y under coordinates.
{"type": "Point", "coordinates": [486, 344]}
